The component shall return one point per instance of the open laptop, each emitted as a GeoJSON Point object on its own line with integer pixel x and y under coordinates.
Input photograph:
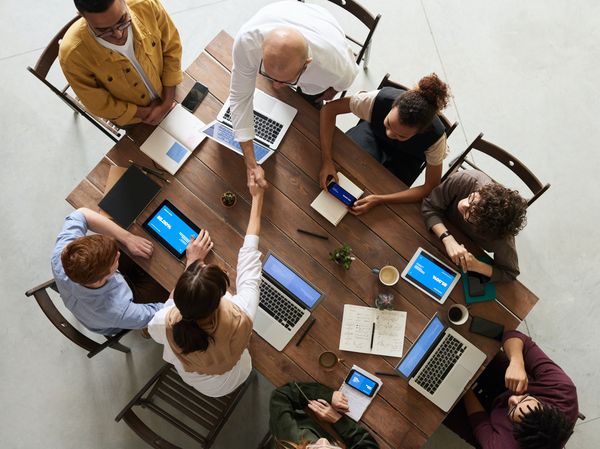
{"type": "Point", "coordinates": [286, 301]}
{"type": "Point", "coordinates": [440, 363]}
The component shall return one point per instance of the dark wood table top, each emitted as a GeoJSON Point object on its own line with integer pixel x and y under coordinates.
{"type": "Point", "coordinates": [398, 416]}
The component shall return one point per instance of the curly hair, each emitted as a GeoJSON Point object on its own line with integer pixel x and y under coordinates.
{"type": "Point", "coordinates": [544, 427]}
{"type": "Point", "coordinates": [419, 106]}
{"type": "Point", "coordinates": [500, 212]}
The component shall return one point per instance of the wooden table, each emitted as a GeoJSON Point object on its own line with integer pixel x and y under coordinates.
{"type": "Point", "coordinates": [399, 416]}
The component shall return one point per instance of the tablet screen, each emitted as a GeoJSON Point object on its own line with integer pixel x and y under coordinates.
{"type": "Point", "coordinates": [430, 275]}
{"type": "Point", "coordinates": [171, 228]}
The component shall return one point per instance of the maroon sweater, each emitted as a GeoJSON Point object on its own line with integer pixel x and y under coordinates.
{"type": "Point", "coordinates": [547, 382]}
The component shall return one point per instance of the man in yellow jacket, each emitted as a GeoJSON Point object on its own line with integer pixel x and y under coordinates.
{"type": "Point", "coordinates": [123, 59]}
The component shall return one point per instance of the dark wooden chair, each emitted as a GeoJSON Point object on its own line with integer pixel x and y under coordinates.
{"type": "Point", "coordinates": [42, 68]}
{"type": "Point", "coordinates": [505, 158]}
{"type": "Point", "coordinates": [198, 416]}
{"type": "Point", "coordinates": [387, 82]}
{"type": "Point", "coordinates": [40, 293]}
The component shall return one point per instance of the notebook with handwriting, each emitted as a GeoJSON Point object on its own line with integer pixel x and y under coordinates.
{"type": "Point", "coordinates": [363, 325]}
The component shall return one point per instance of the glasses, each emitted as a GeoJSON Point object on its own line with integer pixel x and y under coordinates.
{"type": "Point", "coordinates": [514, 407]}
{"type": "Point", "coordinates": [472, 204]}
{"type": "Point", "coordinates": [122, 25]}
{"type": "Point", "coordinates": [287, 83]}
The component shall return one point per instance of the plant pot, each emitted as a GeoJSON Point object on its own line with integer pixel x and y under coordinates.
{"type": "Point", "coordinates": [228, 199]}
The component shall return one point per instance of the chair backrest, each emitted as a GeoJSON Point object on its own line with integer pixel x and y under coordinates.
{"type": "Point", "coordinates": [505, 158]}
{"type": "Point", "coordinates": [387, 82]}
{"type": "Point", "coordinates": [40, 293]}
{"type": "Point", "coordinates": [200, 417]}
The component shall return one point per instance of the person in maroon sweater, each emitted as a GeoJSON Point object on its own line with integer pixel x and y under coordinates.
{"type": "Point", "coordinates": [538, 407]}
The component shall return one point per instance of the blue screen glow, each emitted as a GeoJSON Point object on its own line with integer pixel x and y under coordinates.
{"type": "Point", "coordinates": [224, 135]}
{"type": "Point", "coordinates": [362, 383]}
{"type": "Point", "coordinates": [291, 281]}
{"type": "Point", "coordinates": [341, 194]}
{"type": "Point", "coordinates": [418, 350]}
{"type": "Point", "coordinates": [430, 275]}
{"type": "Point", "coordinates": [172, 229]}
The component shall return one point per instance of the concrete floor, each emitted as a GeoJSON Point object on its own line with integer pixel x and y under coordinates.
{"type": "Point", "coordinates": [525, 73]}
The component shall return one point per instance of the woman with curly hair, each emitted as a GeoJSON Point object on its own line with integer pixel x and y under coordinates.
{"type": "Point", "coordinates": [487, 212]}
{"type": "Point", "coordinates": [400, 128]}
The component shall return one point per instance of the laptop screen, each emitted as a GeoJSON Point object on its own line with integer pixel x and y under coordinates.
{"type": "Point", "coordinates": [297, 286]}
{"type": "Point", "coordinates": [421, 347]}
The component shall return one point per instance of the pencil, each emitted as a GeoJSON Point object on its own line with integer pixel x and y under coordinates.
{"type": "Point", "coordinates": [319, 236]}
{"type": "Point", "coordinates": [372, 336]}
{"type": "Point", "coordinates": [311, 324]}
{"type": "Point", "coordinates": [383, 373]}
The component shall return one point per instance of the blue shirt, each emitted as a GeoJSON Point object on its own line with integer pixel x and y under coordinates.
{"type": "Point", "coordinates": [105, 310]}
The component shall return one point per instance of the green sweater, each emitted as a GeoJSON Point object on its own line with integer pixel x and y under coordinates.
{"type": "Point", "coordinates": [290, 423]}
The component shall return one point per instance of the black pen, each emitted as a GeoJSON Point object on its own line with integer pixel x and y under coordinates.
{"type": "Point", "coordinates": [372, 336]}
{"type": "Point", "coordinates": [383, 373]}
{"type": "Point", "coordinates": [311, 324]}
{"type": "Point", "coordinates": [319, 236]}
{"type": "Point", "coordinates": [147, 170]}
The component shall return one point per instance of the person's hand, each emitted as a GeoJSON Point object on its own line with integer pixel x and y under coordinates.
{"type": "Point", "coordinates": [365, 204]}
{"type": "Point", "coordinates": [327, 170]}
{"type": "Point", "coordinates": [139, 246]}
{"type": "Point", "coordinates": [515, 377]}
{"type": "Point", "coordinates": [259, 175]}
{"type": "Point", "coordinates": [254, 188]}
{"type": "Point", "coordinates": [198, 247]}
{"type": "Point", "coordinates": [339, 402]}
{"type": "Point", "coordinates": [327, 95]}
{"type": "Point", "coordinates": [324, 411]}
{"type": "Point", "coordinates": [456, 252]}
{"type": "Point", "coordinates": [157, 113]}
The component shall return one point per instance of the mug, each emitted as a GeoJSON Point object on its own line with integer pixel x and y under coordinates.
{"type": "Point", "coordinates": [388, 275]}
{"type": "Point", "coordinates": [328, 360]}
{"type": "Point", "coordinates": [458, 314]}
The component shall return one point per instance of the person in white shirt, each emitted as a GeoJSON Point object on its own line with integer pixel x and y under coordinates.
{"type": "Point", "coordinates": [292, 44]}
{"type": "Point", "coordinates": [206, 330]}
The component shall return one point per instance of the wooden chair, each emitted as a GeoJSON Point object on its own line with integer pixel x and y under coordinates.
{"type": "Point", "coordinates": [43, 299]}
{"type": "Point", "coordinates": [506, 159]}
{"type": "Point", "coordinates": [387, 82]}
{"type": "Point", "coordinates": [180, 404]}
{"type": "Point", "coordinates": [40, 71]}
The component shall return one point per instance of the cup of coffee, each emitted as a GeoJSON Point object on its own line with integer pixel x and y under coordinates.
{"type": "Point", "coordinates": [458, 314]}
{"type": "Point", "coordinates": [388, 275]}
{"type": "Point", "coordinates": [328, 360]}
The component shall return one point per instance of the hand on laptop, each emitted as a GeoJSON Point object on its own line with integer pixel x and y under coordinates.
{"type": "Point", "coordinates": [138, 246]}
{"type": "Point", "coordinates": [339, 402]}
{"type": "Point", "coordinates": [198, 248]}
{"type": "Point", "coordinates": [516, 377]}
{"type": "Point", "coordinates": [324, 411]}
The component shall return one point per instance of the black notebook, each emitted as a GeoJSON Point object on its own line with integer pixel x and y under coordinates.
{"type": "Point", "coordinates": [129, 196]}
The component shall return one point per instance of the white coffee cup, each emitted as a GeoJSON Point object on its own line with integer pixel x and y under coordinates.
{"type": "Point", "coordinates": [388, 275]}
{"type": "Point", "coordinates": [458, 314]}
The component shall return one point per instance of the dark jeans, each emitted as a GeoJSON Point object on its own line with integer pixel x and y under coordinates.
{"type": "Point", "coordinates": [145, 289]}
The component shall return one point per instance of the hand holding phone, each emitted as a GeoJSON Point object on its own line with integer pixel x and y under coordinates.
{"type": "Point", "coordinates": [340, 193]}
{"type": "Point", "coordinates": [361, 383]}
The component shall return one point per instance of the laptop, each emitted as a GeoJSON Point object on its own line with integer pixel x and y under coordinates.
{"type": "Point", "coordinates": [440, 364]}
{"type": "Point", "coordinates": [286, 301]}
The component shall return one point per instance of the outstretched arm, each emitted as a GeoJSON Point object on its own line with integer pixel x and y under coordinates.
{"type": "Point", "coordinates": [327, 117]}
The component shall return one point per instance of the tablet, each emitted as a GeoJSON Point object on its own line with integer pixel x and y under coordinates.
{"type": "Point", "coordinates": [171, 228]}
{"type": "Point", "coordinates": [431, 276]}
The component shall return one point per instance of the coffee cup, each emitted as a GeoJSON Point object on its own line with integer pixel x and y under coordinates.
{"type": "Point", "coordinates": [388, 275]}
{"type": "Point", "coordinates": [328, 360]}
{"type": "Point", "coordinates": [458, 314]}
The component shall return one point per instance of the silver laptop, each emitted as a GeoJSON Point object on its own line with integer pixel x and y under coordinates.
{"type": "Point", "coordinates": [440, 364]}
{"type": "Point", "coordinates": [286, 301]}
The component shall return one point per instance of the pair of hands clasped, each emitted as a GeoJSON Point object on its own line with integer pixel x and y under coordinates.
{"type": "Point", "coordinates": [330, 413]}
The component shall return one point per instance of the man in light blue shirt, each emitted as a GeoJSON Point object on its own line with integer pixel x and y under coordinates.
{"type": "Point", "coordinates": [85, 271]}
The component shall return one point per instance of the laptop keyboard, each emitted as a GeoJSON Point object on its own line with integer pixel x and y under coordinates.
{"type": "Point", "coordinates": [278, 306]}
{"type": "Point", "coordinates": [265, 128]}
{"type": "Point", "coordinates": [438, 366]}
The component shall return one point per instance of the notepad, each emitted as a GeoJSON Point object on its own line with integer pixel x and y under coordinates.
{"type": "Point", "coordinates": [357, 401]}
{"type": "Point", "coordinates": [174, 140]}
{"type": "Point", "coordinates": [357, 329]}
{"type": "Point", "coordinates": [330, 207]}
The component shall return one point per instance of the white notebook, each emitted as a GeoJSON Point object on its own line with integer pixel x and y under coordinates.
{"type": "Point", "coordinates": [174, 139]}
{"type": "Point", "coordinates": [357, 401]}
{"type": "Point", "coordinates": [385, 328]}
{"type": "Point", "coordinates": [330, 207]}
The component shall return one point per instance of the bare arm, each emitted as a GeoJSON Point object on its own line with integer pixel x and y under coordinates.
{"type": "Point", "coordinates": [515, 377]}
{"type": "Point", "coordinates": [327, 117]}
{"type": "Point", "coordinates": [257, 191]}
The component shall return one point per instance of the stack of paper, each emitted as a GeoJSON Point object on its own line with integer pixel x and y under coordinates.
{"type": "Point", "coordinates": [330, 207]}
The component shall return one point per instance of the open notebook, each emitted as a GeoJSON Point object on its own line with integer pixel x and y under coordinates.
{"type": "Point", "coordinates": [174, 139]}
{"type": "Point", "coordinates": [330, 207]}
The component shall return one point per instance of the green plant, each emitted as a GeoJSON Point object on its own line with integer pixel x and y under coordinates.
{"type": "Point", "coordinates": [342, 256]}
{"type": "Point", "coordinates": [228, 199]}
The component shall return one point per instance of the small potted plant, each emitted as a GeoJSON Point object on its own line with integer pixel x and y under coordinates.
{"type": "Point", "coordinates": [342, 256]}
{"type": "Point", "coordinates": [228, 199]}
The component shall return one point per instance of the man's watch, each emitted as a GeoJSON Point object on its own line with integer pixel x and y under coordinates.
{"type": "Point", "coordinates": [444, 234]}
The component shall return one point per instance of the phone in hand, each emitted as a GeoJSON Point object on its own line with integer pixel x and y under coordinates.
{"type": "Point", "coordinates": [361, 383]}
{"type": "Point", "coordinates": [487, 328]}
{"type": "Point", "coordinates": [194, 97]}
{"type": "Point", "coordinates": [340, 193]}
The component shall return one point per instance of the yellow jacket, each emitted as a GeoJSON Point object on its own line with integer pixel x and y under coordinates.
{"type": "Point", "coordinates": [105, 81]}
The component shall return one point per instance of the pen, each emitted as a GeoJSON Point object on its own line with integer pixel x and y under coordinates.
{"type": "Point", "coordinates": [147, 170]}
{"type": "Point", "coordinates": [372, 336]}
{"type": "Point", "coordinates": [302, 392]}
{"type": "Point", "coordinates": [319, 236]}
{"type": "Point", "coordinates": [311, 324]}
{"type": "Point", "coordinates": [383, 373]}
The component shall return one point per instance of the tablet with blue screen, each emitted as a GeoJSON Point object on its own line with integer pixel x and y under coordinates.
{"type": "Point", "coordinates": [171, 228]}
{"type": "Point", "coordinates": [430, 275]}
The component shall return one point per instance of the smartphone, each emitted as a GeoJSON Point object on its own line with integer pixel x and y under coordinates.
{"type": "Point", "coordinates": [486, 328]}
{"type": "Point", "coordinates": [194, 97]}
{"type": "Point", "coordinates": [341, 194]}
{"type": "Point", "coordinates": [361, 383]}
{"type": "Point", "coordinates": [476, 286]}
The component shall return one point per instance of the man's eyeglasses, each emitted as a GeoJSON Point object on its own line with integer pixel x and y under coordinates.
{"type": "Point", "coordinates": [514, 407]}
{"type": "Point", "coordinates": [121, 25]}
{"type": "Point", "coordinates": [472, 204]}
{"type": "Point", "coordinates": [292, 84]}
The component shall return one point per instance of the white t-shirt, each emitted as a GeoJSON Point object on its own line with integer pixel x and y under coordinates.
{"type": "Point", "coordinates": [128, 50]}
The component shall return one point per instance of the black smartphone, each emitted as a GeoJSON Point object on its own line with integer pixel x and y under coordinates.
{"type": "Point", "coordinates": [486, 328]}
{"type": "Point", "coordinates": [476, 286]}
{"type": "Point", "coordinates": [361, 383]}
{"type": "Point", "coordinates": [195, 96]}
{"type": "Point", "coordinates": [340, 193]}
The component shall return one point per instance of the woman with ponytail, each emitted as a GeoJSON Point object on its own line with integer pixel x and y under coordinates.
{"type": "Point", "coordinates": [400, 128]}
{"type": "Point", "coordinates": [205, 329]}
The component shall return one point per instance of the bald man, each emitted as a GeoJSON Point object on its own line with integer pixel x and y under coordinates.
{"type": "Point", "coordinates": [292, 44]}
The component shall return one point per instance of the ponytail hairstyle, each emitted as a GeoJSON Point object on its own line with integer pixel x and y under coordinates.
{"type": "Point", "coordinates": [419, 106]}
{"type": "Point", "coordinates": [197, 295]}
